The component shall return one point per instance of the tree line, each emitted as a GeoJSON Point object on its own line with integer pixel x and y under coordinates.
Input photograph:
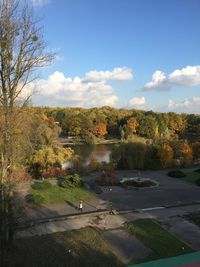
{"type": "Point", "coordinates": [107, 122]}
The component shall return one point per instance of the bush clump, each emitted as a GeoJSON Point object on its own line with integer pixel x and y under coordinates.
{"type": "Point", "coordinates": [54, 173]}
{"type": "Point", "coordinates": [71, 181]}
{"type": "Point", "coordinates": [176, 174]}
{"type": "Point", "coordinates": [107, 177]}
{"type": "Point", "coordinates": [198, 182]}
{"type": "Point", "coordinates": [134, 183]}
{"type": "Point", "coordinates": [41, 185]}
{"type": "Point", "coordinates": [20, 176]}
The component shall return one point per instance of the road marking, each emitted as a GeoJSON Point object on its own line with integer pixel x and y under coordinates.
{"type": "Point", "coordinates": [153, 208]}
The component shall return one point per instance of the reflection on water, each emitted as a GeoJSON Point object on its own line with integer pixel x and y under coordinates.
{"type": "Point", "coordinates": [101, 153]}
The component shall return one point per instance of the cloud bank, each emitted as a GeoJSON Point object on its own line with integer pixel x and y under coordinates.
{"type": "Point", "coordinates": [188, 76]}
{"type": "Point", "coordinates": [90, 91]}
{"type": "Point", "coordinates": [137, 102]}
{"type": "Point", "coordinates": [188, 105]}
{"type": "Point", "coordinates": [116, 74]}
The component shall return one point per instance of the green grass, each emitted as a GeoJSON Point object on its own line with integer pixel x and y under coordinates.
{"type": "Point", "coordinates": [56, 194]}
{"type": "Point", "coordinates": [192, 177]}
{"type": "Point", "coordinates": [162, 243]}
{"type": "Point", "coordinates": [87, 248]}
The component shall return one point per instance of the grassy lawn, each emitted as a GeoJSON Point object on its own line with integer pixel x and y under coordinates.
{"type": "Point", "coordinates": [54, 194]}
{"type": "Point", "coordinates": [162, 243]}
{"type": "Point", "coordinates": [87, 248]}
{"type": "Point", "coordinates": [192, 177]}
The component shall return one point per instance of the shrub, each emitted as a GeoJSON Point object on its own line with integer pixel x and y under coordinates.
{"type": "Point", "coordinates": [134, 183]}
{"type": "Point", "coordinates": [176, 174]}
{"type": "Point", "coordinates": [54, 173]}
{"type": "Point", "coordinates": [71, 181]}
{"type": "Point", "coordinates": [107, 177]}
{"type": "Point", "coordinates": [20, 176]}
{"type": "Point", "coordinates": [198, 182]}
{"type": "Point", "coordinates": [198, 170]}
{"type": "Point", "coordinates": [41, 185]}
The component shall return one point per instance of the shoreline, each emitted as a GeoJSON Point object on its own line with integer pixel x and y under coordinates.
{"type": "Point", "coordinates": [67, 141]}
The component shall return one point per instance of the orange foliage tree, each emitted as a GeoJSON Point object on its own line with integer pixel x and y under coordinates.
{"type": "Point", "coordinates": [132, 123]}
{"type": "Point", "coordinates": [100, 130]}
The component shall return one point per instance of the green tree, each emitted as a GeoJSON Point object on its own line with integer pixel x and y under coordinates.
{"type": "Point", "coordinates": [129, 156]}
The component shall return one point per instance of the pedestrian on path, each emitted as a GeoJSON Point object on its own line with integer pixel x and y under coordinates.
{"type": "Point", "coordinates": [81, 205]}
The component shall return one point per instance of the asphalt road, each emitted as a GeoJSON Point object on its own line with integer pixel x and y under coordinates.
{"type": "Point", "coordinates": [170, 192]}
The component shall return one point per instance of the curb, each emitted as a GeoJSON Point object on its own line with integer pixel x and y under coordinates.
{"type": "Point", "coordinates": [32, 223]}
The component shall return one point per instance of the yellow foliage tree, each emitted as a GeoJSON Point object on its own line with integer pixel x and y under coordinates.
{"type": "Point", "coordinates": [165, 154]}
{"type": "Point", "coordinates": [49, 157]}
{"type": "Point", "coordinates": [185, 152]}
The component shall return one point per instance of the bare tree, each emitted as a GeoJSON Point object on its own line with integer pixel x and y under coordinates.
{"type": "Point", "coordinates": [22, 51]}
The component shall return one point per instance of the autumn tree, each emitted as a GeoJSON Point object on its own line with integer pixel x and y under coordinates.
{"type": "Point", "coordinates": [51, 157]}
{"type": "Point", "coordinates": [177, 124]}
{"type": "Point", "coordinates": [22, 50]}
{"type": "Point", "coordinates": [132, 123]}
{"type": "Point", "coordinates": [77, 123]}
{"type": "Point", "coordinates": [165, 155]}
{"type": "Point", "coordinates": [100, 130]}
{"type": "Point", "coordinates": [183, 152]}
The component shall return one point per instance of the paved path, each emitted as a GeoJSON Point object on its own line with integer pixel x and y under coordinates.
{"type": "Point", "coordinates": [125, 246]}
{"type": "Point", "coordinates": [185, 231]}
{"type": "Point", "coordinates": [162, 214]}
{"type": "Point", "coordinates": [107, 221]}
{"type": "Point", "coordinates": [47, 211]}
{"type": "Point", "coordinates": [102, 222]}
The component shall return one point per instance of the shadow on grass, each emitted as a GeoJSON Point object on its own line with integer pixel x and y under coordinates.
{"type": "Point", "coordinates": [71, 249]}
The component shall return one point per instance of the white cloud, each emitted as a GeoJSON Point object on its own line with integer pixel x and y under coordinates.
{"type": "Point", "coordinates": [59, 90]}
{"type": "Point", "coordinates": [39, 3]}
{"type": "Point", "coordinates": [159, 81]}
{"type": "Point", "coordinates": [123, 73]}
{"type": "Point", "coordinates": [137, 103]}
{"type": "Point", "coordinates": [188, 76]}
{"type": "Point", "coordinates": [188, 105]}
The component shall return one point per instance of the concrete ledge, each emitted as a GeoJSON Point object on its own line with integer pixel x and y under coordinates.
{"type": "Point", "coordinates": [31, 223]}
{"type": "Point", "coordinates": [79, 215]}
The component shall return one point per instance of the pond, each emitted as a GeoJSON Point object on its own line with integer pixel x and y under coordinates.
{"type": "Point", "coordinates": [87, 153]}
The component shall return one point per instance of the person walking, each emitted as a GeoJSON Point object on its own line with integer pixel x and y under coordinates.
{"type": "Point", "coordinates": [81, 205]}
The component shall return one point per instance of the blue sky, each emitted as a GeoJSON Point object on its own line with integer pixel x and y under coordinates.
{"type": "Point", "coordinates": [108, 51]}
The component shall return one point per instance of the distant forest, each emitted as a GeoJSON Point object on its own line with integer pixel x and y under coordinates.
{"type": "Point", "coordinates": [107, 122]}
{"type": "Point", "coordinates": [145, 139]}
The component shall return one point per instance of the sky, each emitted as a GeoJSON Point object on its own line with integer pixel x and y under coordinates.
{"type": "Point", "coordinates": [142, 54]}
